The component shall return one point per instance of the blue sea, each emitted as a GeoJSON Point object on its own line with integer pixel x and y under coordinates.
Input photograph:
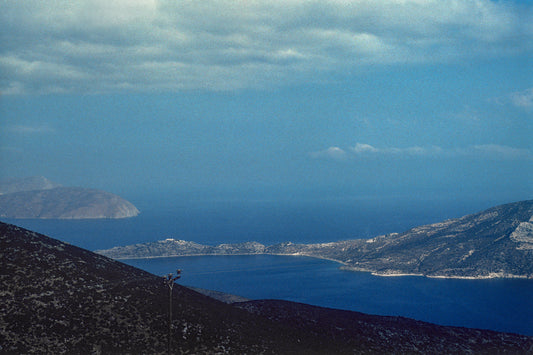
{"type": "Point", "coordinates": [498, 304]}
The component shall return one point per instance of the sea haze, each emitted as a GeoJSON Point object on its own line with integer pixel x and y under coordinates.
{"type": "Point", "coordinates": [504, 305]}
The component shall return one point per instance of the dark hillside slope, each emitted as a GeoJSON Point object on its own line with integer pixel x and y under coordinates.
{"type": "Point", "coordinates": [57, 298]}
{"type": "Point", "coordinates": [384, 335]}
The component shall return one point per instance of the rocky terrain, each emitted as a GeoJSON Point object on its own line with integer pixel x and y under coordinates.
{"type": "Point", "coordinates": [173, 247]}
{"type": "Point", "coordinates": [497, 242]}
{"type": "Point", "coordinates": [56, 298]}
{"type": "Point", "coordinates": [40, 198]}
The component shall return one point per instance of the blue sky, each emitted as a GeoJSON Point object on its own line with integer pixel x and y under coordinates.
{"type": "Point", "coordinates": [311, 99]}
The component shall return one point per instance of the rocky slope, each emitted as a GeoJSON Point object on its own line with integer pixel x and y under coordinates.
{"type": "Point", "coordinates": [173, 247]}
{"type": "Point", "coordinates": [497, 242]}
{"type": "Point", "coordinates": [40, 198]}
{"type": "Point", "coordinates": [380, 335]}
{"type": "Point", "coordinates": [57, 298]}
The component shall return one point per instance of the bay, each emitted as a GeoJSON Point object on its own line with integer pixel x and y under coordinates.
{"type": "Point", "coordinates": [496, 304]}
{"type": "Point", "coordinates": [504, 305]}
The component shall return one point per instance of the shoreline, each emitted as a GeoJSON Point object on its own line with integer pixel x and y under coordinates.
{"type": "Point", "coordinates": [345, 266]}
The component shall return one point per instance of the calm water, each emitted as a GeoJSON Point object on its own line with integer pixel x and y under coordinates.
{"type": "Point", "coordinates": [505, 305]}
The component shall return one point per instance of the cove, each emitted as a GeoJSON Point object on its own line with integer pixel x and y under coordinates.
{"type": "Point", "coordinates": [496, 304]}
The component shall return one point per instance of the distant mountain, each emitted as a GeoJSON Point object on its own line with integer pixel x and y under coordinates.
{"type": "Point", "coordinates": [40, 198]}
{"type": "Point", "coordinates": [26, 184]}
{"type": "Point", "coordinates": [497, 242]}
{"type": "Point", "coordinates": [57, 298]}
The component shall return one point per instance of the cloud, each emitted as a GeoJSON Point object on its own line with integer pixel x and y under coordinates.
{"type": "Point", "coordinates": [367, 151]}
{"type": "Point", "coordinates": [498, 152]}
{"type": "Point", "coordinates": [29, 130]}
{"type": "Point", "coordinates": [523, 99]}
{"type": "Point", "coordinates": [334, 153]}
{"type": "Point", "coordinates": [467, 114]}
{"type": "Point", "coordinates": [361, 149]}
{"type": "Point", "coordinates": [102, 46]}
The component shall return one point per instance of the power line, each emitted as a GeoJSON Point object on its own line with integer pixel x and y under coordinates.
{"type": "Point", "coordinates": [169, 280]}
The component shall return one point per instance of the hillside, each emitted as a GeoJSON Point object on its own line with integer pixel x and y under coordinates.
{"type": "Point", "coordinates": [497, 242]}
{"type": "Point", "coordinates": [57, 298]}
{"type": "Point", "coordinates": [40, 198]}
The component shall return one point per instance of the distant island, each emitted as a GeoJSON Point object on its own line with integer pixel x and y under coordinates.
{"type": "Point", "coordinates": [38, 197]}
{"type": "Point", "coordinates": [496, 243]}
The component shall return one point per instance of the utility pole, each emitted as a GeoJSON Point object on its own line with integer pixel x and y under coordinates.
{"type": "Point", "coordinates": [169, 280]}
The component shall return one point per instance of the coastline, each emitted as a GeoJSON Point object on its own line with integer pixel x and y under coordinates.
{"type": "Point", "coordinates": [345, 266]}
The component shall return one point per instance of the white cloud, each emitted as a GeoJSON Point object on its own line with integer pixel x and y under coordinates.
{"type": "Point", "coordinates": [334, 153]}
{"type": "Point", "coordinates": [498, 151]}
{"type": "Point", "coordinates": [99, 45]}
{"type": "Point", "coordinates": [361, 148]}
{"type": "Point", "coordinates": [21, 129]}
{"type": "Point", "coordinates": [367, 151]}
{"type": "Point", "coordinates": [523, 99]}
{"type": "Point", "coordinates": [467, 114]}
{"type": "Point", "coordinates": [364, 149]}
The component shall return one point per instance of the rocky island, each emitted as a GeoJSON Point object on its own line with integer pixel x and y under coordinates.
{"type": "Point", "coordinates": [38, 197]}
{"type": "Point", "coordinates": [57, 298]}
{"type": "Point", "coordinates": [494, 243]}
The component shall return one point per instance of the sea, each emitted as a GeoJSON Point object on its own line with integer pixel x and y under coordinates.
{"type": "Point", "coordinates": [496, 304]}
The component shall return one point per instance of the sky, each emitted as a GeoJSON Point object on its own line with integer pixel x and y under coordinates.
{"type": "Point", "coordinates": [271, 99]}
